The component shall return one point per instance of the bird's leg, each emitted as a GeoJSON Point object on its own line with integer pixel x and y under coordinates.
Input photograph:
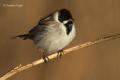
{"type": "Point", "coordinates": [60, 53]}
{"type": "Point", "coordinates": [45, 58]}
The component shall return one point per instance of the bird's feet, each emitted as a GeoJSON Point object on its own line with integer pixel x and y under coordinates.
{"type": "Point", "coordinates": [45, 58]}
{"type": "Point", "coordinates": [60, 53]}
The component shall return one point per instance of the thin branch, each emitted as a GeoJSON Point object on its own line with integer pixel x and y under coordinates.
{"type": "Point", "coordinates": [21, 68]}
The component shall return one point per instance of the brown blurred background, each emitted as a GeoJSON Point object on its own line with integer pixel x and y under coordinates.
{"type": "Point", "coordinates": [93, 18]}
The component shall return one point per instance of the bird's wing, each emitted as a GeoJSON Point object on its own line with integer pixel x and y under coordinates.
{"type": "Point", "coordinates": [40, 27]}
{"type": "Point", "coordinates": [37, 29]}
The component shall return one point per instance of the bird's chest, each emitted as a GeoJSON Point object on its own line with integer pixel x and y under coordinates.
{"type": "Point", "coordinates": [54, 40]}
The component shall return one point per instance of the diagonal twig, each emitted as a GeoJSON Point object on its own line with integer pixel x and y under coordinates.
{"type": "Point", "coordinates": [21, 68]}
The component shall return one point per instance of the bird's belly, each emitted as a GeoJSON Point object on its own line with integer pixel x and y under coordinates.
{"type": "Point", "coordinates": [52, 42]}
{"type": "Point", "coordinates": [53, 45]}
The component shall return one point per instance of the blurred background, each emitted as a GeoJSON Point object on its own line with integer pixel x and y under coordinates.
{"type": "Point", "coordinates": [93, 19]}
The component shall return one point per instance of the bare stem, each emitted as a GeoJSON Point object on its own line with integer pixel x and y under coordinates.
{"type": "Point", "coordinates": [21, 68]}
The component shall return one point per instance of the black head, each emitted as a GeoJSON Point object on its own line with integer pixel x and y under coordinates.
{"type": "Point", "coordinates": [64, 14]}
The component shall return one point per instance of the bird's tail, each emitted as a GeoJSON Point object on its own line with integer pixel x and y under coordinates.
{"type": "Point", "coordinates": [24, 36]}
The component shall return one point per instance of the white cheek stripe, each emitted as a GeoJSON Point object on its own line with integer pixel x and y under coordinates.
{"type": "Point", "coordinates": [64, 22]}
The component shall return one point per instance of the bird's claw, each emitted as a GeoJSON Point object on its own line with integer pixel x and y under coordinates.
{"type": "Point", "coordinates": [45, 58]}
{"type": "Point", "coordinates": [60, 53]}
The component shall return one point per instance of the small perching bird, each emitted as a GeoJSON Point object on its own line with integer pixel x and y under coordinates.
{"type": "Point", "coordinates": [52, 33]}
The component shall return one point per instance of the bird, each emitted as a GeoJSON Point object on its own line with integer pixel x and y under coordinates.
{"type": "Point", "coordinates": [52, 33]}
